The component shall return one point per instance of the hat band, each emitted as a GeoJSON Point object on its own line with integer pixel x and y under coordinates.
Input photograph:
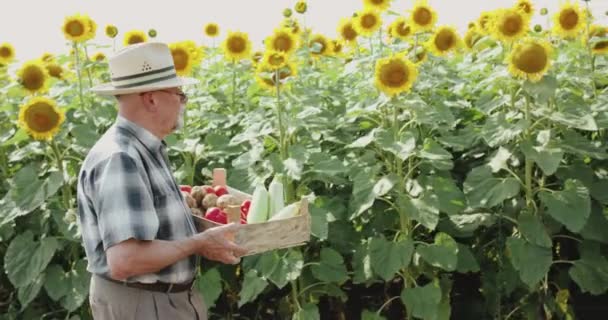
{"type": "Point", "coordinates": [144, 78]}
{"type": "Point", "coordinates": [144, 82]}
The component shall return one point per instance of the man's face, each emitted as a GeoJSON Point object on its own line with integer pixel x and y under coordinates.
{"type": "Point", "coordinates": [173, 107]}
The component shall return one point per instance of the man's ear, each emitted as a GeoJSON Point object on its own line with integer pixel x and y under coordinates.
{"type": "Point", "coordinates": [148, 101]}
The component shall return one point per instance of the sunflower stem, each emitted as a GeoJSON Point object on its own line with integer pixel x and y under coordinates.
{"type": "Point", "coordinates": [234, 86]}
{"type": "Point", "coordinates": [66, 192]}
{"type": "Point", "coordinates": [86, 56]}
{"type": "Point", "coordinates": [75, 46]}
{"type": "Point", "coordinates": [283, 141]}
{"type": "Point", "coordinates": [528, 162]}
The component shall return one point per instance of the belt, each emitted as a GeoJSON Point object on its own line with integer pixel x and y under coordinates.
{"type": "Point", "coordinates": [157, 286]}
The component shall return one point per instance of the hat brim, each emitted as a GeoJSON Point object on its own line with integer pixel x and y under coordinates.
{"type": "Point", "coordinates": [107, 89]}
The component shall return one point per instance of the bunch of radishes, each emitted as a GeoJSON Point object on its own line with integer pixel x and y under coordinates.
{"type": "Point", "coordinates": [211, 202]}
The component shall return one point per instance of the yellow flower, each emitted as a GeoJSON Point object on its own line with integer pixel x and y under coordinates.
{"type": "Point", "coordinates": [54, 70]}
{"type": "Point", "coordinates": [92, 30]}
{"type": "Point", "coordinates": [111, 31]}
{"type": "Point", "coordinates": [274, 59]}
{"type": "Point", "coordinates": [484, 22]}
{"type": "Point", "coordinates": [320, 45]}
{"type": "Point", "coordinates": [266, 77]}
{"type": "Point", "coordinates": [401, 29]}
{"type": "Point", "coordinates": [471, 37]}
{"type": "Point", "coordinates": [525, 6]}
{"type": "Point", "coordinates": [379, 5]}
{"type": "Point", "coordinates": [423, 17]}
{"type": "Point", "coordinates": [510, 25]}
{"type": "Point", "coordinates": [41, 118]}
{"type": "Point", "coordinates": [47, 57]}
{"type": "Point", "coordinates": [77, 28]}
{"type": "Point", "coordinates": [346, 30]}
{"type": "Point", "coordinates": [598, 47]}
{"type": "Point", "coordinates": [395, 74]}
{"type": "Point", "coordinates": [32, 76]}
{"type": "Point", "coordinates": [444, 40]}
{"type": "Point", "coordinates": [186, 55]}
{"type": "Point", "coordinates": [134, 36]}
{"type": "Point", "coordinates": [292, 25]}
{"type": "Point", "coordinates": [530, 59]}
{"type": "Point", "coordinates": [98, 56]}
{"type": "Point", "coordinates": [282, 40]}
{"type": "Point", "coordinates": [419, 55]}
{"type": "Point", "coordinates": [300, 7]}
{"type": "Point", "coordinates": [212, 30]}
{"type": "Point", "coordinates": [367, 22]}
{"type": "Point", "coordinates": [337, 45]}
{"type": "Point", "coordinates": [7, 53]}
{"type": "Point", "coordinates": [257, 57]}
{"type": "Point", "coordinates": [236, 46]}
{"type": "Point", "coordinates": [569, 21]}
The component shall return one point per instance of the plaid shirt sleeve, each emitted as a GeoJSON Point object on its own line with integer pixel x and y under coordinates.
{"type": "Point", "coordinates": [123, 202]}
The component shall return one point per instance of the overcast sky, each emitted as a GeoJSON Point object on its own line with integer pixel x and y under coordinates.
{"type": "Point", "coordinates": [34, 26]}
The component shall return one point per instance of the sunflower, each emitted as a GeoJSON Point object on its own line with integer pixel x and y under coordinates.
{"type": "Point", "coordinates": [256, 57]}
{"type": "Point", "coordinates": [419, 55]}
{"type": "Point", "coordinates": [292, 25]}
{"type": "Point", "coordinates": [444, 40]}
{"type": "Point", "coordinates": [484, 22]}
{"type": "Point", "coordinates": [471, 37]}
{"type": "Point", "coordinates": [186, 55]}
{"type": "Point", "coordinates": [525, 6]}
{"type": "Point", "coordinates": [346, 30]}
{"type": "Point", "coordinates": [134, 36]}
{"type": "Point", "coordinates": [601, 46]}
{"type": "Point", "coordinates": [33, 76]}
{"type": "Point", "coordinates": [510, 25]}
{"type": "Point", "coordinates": [41, 118]}
{"type": "Point", "coordinates": [379, 5]}
{"type": "Point", "coordinates": [401, 29]}
{"type": "Point", "coordinates": [320, 45]}
{"type": "Point", "coordinates": [337, 46]}
{"type": "Point", "coordinates": [212, 30]}
{"type": "Point", "coordinates": [422, 16]}
{"type": "Point", "coordinates": [98, 57]}
{"type": "Point", "coordinates": [266, 77]}
{"type": "Point", "coordinates": [237, 46]}
{"type": "Point", "coordinates": [152, 33]}
{"type": "Point", "coordinates": [76, 28]}
{"type": "Point", "coordinates": [92, 29]}
{"type": "Point", "coordinates": [47, 57]}
{"type": "Point", "coordinates": [54, 70]}
{"type": "Point", "coordinates": [287, 13]}
{"type": "Point", "coordinates": [530, 59]}
{"type": "Point", "coordinates": [569, 21]}
{"type": "Point", "coordinates": [111, 31]}
{"type": "Point", "coordinates": [367, 22]}
{"type": "Point", "coordinates": [395, 74]}
{"type": "Point", "coordinates": [282, 40]}
{"type": "Point", "coordinates": [7, 53]}
{"type": "Point", "coordinates": [274, 60]}
{"type": "Point", "coordinates": [300, 7]}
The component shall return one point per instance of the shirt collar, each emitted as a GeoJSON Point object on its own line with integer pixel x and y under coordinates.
{"type": "Point", "coordinates": [151, 141]}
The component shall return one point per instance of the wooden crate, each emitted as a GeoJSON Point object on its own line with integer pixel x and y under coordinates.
{"type": "Point", "coordinates": [265, 236]}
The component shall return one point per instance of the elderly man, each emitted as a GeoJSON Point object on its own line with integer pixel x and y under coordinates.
{"type": "Point", "coordinates": [138, 233]}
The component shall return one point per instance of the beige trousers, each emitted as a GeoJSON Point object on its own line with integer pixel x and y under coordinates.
{"type": "Point", "coordinates": [112, 301]}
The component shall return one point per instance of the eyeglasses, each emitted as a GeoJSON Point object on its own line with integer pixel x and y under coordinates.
{"type": "Point", "coordinates": [183, 98]}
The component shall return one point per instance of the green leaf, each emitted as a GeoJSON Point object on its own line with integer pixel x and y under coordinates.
{"type": "Point", "coordinates": [29, 292]}
{"type": "Point", "coordinates": [578, 117]}
{"type": "Point", "coordinates": [571, 207]}
{"type": "Point", "coordinates": [309, 311]}
{"type": "Point", "coordinates": [500, 131]}
{"type": "Point", "coordinates": [25, 258]}
{"type": "Point", "coordinates": [209, 284]}
{"type": "Point", "coordinates": [596, 226]}
{"type": "Point", "coordinates": [384, 185]}
{"type": "Point", "coordinates": [363, 196]}
{"type": "Point", "coordinates": [364, 141]}
{"type": "Point", "coordinates": [85, 135]}
{"type": "Point", "coordinates": [288, 268]}
{"type": "Point", "coordinates": [575, 143]}
{"type": "Point", "coordinates": [422, 301]}
{"type": "Point", "coordinates": [598, 191]}
{"type": "Point", "coordinates": [451, 198]}
{"type": "Point", "coordinates": [483, 190]}
{"type": "Point", "coordinates": [318, 222]}
{"type": "Point", "coordinates": [543, 90]}
{"type": "Point", "coordinates": [470, 222]}
{"type": "Point", "coordinates": [591, 271]}
{"type": "Point", "coordinates": [532, 262]}
{"type": "Point", "coordinates": [437, 156]}
{"type": "Point", "coordinates": [362, 264]}
{"type": "Point", "coordinates": [499, 161]}
{"type": "Point", "coordinates": [388, 257]}
{"type": "Point", "coordinates": [424, 209]}
{"type": "Point", "coordinates": [442, 254]}
{"type": "Point", "coordinates": [533, 229]}
{"type": "Point", "coordinates": [253, 285]}
{"type": "Point", "coordinates": [79, 280]}
{"type": "Point", "coordinates": [466, 260]}
{"type": "Point", "coordinates": [369, 315]}
{"type": "Point", "coordinates": [293, 168]}
{"type": "Point", "coordinates": [403, 148]}
{"type": "Point", "coordinates": [331, 267]}
{"type": "Point", "coordinates": [546, 157]}
{"type": "Point", "coordinates": [56, 282]}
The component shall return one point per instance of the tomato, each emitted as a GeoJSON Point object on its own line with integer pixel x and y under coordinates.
{"type": "Point", "coordinates": [215, 214]}
{"type": "Point", "coordinates": [220, 190]}
{"type": "Point", "coordinates": [185, 188]}
{"type": "Point", "coordinates": [245, 207]}
{"type": "Point", "coordinates": [208, 189]}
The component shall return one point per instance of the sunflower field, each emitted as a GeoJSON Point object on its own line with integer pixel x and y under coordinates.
{"type": "Point", "coordinates": [451, 176]}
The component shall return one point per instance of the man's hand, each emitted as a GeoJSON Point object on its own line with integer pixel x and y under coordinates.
{"type": "Point", "coordinates": [215, 244]}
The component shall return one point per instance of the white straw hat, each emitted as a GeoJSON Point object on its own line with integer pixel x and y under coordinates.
{"type": "Point", "coordinates": [142, 67]}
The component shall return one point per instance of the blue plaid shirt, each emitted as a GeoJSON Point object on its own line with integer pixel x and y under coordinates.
{"type": "Point", "coordinates": [127, 190]}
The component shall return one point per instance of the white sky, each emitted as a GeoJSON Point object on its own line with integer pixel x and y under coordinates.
{"type": "Point", "coordinates": [34, 26]}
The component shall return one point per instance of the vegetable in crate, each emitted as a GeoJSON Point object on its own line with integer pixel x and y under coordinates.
{"type": "Point", "coordinates": [277, 196]}
{"type": "Point", "coordinates": [220, 190]}
{"type": "Point", "coordinates": [210, 200]}
{"type": "Point", "coordinates": [226, 200]}
{"type": "Point", "coordinates": [289, 211]}
{"type": "Point", "coordinates": [216, 214]}
{"type": "Point", "coordinates": [198, 193]}
{"type": "Point", "coordinates": [259, 205]}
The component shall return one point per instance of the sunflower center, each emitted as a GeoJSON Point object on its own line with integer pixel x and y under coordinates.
{"type": "Point", "coordinates": [211, 30]}
{"type": "Point", "coordinates": [236, 44]}
{"type": "Point", "coordinates": [54, 70]}
{"type": "Point", "coordinates": [33, 78]}
{"type": "Point", "coordinates": [349, 33]}
{"type": "Point", "coordinates": [378, 2]}
{"type": "Point", "coordinates": [422, 16]}
{"type": "Point", "coordinates": [282, 43]}
{"type": "Point", "coordinates": [74, 28]}
{"type": "Point", "coordinates": [321, 44]}
{"type": "Point", "coordinates": [525, 7]}
{"type": "Point", "coordinates": [5, 52]}
{"type": "Point", "coordinates": [41, 117]}
{"type": "Point", "coordinates": [601, 45]}
{"type": "Point", "coordinates": [180, 59]}
{"type": "Point", "coordinates": [511, 25]}
{"type": "Point", "coordinates": [532, 58]}
{"type": "Point", "coordinates": [135, 39]}
{"type": "Point", "coordinates": [403, 29]}
{"type": "Point", "coordinates": [445, 40]}
{"type": "Point", "coordinates": [568, 19]}
{"type": "Point", "coordinates": [368, 21]}
{"type": "Point", "coordinates": [394, 74]}
{"type": "Point", "coordinates": [276, 60]}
